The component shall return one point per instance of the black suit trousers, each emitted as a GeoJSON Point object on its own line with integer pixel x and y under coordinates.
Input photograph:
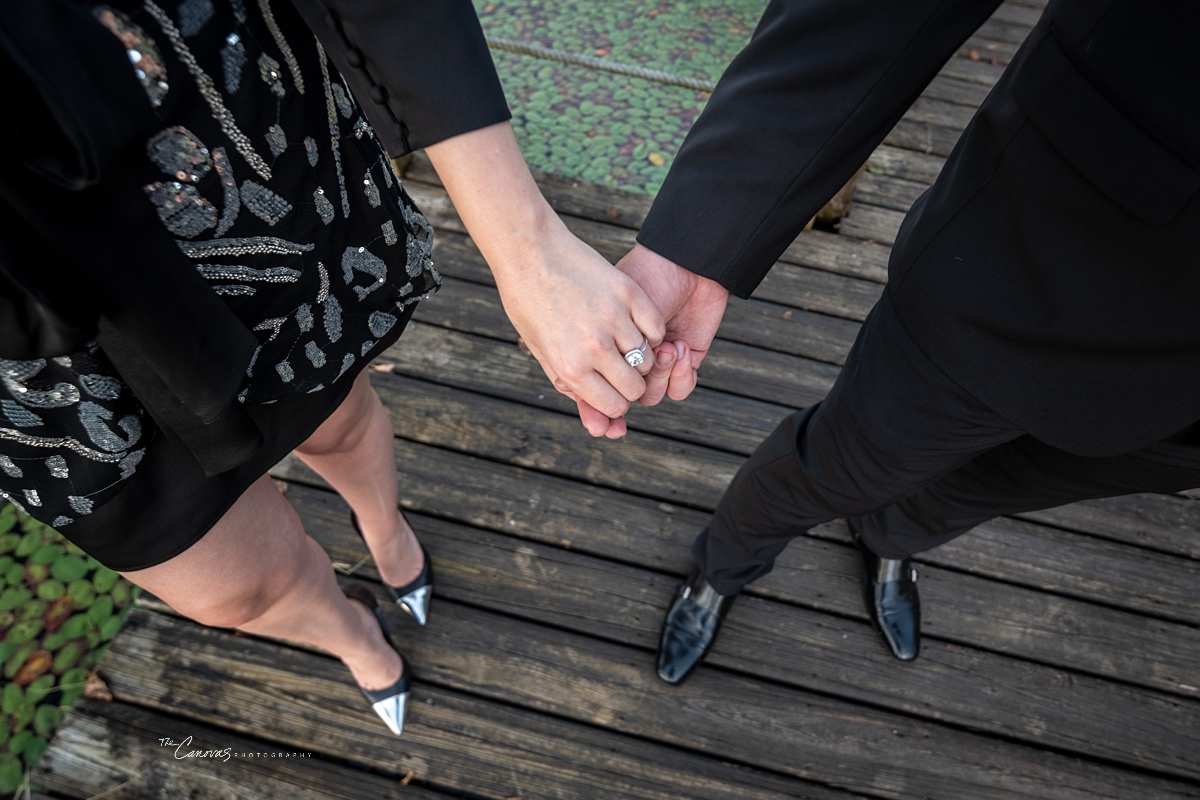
{"type": "Point", "coordinates": [914, 458]}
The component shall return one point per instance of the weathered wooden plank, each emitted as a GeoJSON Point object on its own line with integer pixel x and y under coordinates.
{"type": "Point", "coordinates": [952, 90]}
{"type": "Point", "coordinates": [518, 434]}
{"type": "Point", "coordinates": [474, 308]}
{"type": "Point", "coordinates": [923, 137]}
{"type": "Point", "coordinates": [1076, 565]}
{"type": "Point", "coordinates": [841, 254]}
{"type": "Point", "coordinates": [565, 195]}
{"type": "Point", "coordinates": [1024, 15]}
{"type": "Point", "coordinates": [488, 366]}
{"type": "Point", "coordinates": [1163, 522]}
{"type": "Point", "coordinates": [872, 223]}
{"type": "Point", "coordinates": [906, 164]}
{"type": "Point", "coordinates": [1160, 522]}
{"type": "Point", "coordinates": [612, 686]}
{"type": "Point", "coordinates": [790, 285]}
{"type": "Point", "coordinates": [888, 191]}
{"type": "Point", "coordinates": [450, 740]}
{"type": "Point", "coordinates": [113, 750]}
{"type": "Point", "coordinates": [984, 73]}
{"type": "Point", "coordinates": [819, 291]}
{"type": "Point", "coordinates": [818, 249]}
{"type": "Point", "coordinates": [982, 691]}
{"type": "Point", "coordinates": [818, 572]}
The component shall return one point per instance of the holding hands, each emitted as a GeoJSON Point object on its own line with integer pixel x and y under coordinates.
{"type": "Point", "coordinates": [582, 318]}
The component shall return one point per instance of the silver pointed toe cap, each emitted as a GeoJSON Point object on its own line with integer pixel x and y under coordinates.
{"type": "Point", "coordinates": [416, 603]}
{"type": "Point", "coordinates": [391, 710]}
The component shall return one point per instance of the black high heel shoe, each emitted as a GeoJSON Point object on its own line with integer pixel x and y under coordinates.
{"type": "Point", "coordinates": [415, 596]}
{"type": "Point", "coordinates": [391, 703]}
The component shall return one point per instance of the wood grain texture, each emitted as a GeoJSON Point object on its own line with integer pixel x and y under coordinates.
{"type": "Point", "coordinates": [983, 691]}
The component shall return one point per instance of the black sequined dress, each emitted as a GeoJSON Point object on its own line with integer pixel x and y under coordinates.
{"type": "Point", "coordinates": [262, 176]}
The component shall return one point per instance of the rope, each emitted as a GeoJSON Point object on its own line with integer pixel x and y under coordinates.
{"type": "Point", "coordinates": [602, 64]}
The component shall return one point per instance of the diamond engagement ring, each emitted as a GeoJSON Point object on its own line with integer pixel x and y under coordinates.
{"type": "Point", "coordinates": [636, 356]}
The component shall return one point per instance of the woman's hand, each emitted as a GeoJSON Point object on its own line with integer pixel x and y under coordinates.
{"type": "Point", "coordinates": [577, 313]}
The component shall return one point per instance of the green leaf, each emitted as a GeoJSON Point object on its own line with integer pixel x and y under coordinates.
{"type": "Point", "coordinates": [24, 631]}
{"type": "Point", "coordinates": [51, 589]}
{"type": "Point", "coordinates": [18, 742]}
{"type": "Point", "coordinates": [69, 568]}
{"type": "Point", "coordinates": [110, 627]}
{"type": "Point", "coordinates": [105, 579]}
{"type": "Point", "coordinates": [102, 609]}
{"type": "Point", "coordinates": [47, 719]}
{"type": "Point", "coordinates": [15, 575]}
{"type": "Point", "coordinates": [11, 775]}
{"type": "Point", "coordinates": [66, 657]}
{"type": "Point", "coordinates": [14, 596]}
{"type": "Point", "coordinates": [47, 553]}
{"type": "Point", "coordinates": [29, 542]}
{"type": "Point", "coordinates": [82, 592]}
{"type": "Point", "coordinates": [76, 626]}
{"type": "Point", "coordinates": [9, 542]}
{"type": "Point", "coordinates": [18, 658]}
{"type": "Point", "coordinates": [33, 751]}
{"type": "Point", "coordinates": [11, 697]}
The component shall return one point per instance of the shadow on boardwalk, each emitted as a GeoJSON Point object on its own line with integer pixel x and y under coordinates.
{"type": "Point", "coordinates": [1062, 649]}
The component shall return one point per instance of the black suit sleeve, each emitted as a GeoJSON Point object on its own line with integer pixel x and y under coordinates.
{"type": "Point", "coordinates": [420, 68]}
{"type": "Point", "coordinates": [797, 112]}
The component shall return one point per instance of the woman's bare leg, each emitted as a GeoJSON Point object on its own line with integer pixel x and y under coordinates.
{"type": "Point", "coordinates": [225, 580]}
{"type": "Point", "coordinates": [352, 450]}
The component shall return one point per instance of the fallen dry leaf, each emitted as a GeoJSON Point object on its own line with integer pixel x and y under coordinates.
{"type": "Point", "coordinates": [383, 367]}
{"type": "Point", "coordinates": [96, 689]}
{"type": "Point", "coordinates": [407, 779]}
{"type": "Point", "coordinates": [973, 55]}
{"type": "Point", "coordinates": [657, 159]}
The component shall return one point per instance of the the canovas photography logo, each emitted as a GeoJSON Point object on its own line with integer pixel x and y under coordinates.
{"type": "Point", "coordinates": [188, 748]}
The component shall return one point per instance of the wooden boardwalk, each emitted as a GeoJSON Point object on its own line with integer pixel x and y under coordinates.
{"type": "Point", "coordinates": [1062, 649]}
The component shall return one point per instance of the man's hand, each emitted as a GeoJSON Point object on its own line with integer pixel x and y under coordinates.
{"type": "Point", "coordinates": [692, 307]}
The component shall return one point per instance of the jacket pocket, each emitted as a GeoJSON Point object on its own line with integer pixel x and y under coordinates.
{"type": "Point", "coordinates": [1109, 149]}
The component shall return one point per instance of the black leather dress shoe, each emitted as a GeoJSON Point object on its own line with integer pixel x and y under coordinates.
{"type": "Point", "coordinates": [890, 594]}
{"type": "Point", "coordinates": [690, 627]}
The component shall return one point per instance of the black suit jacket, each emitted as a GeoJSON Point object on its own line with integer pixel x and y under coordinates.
{"type": "Point", "coordinates": [1052, 269]}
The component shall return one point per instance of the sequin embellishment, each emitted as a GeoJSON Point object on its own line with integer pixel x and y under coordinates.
{"type": "Point", "coordinates": [233, 199]}
{"type": "Point", "coordinates": [268, 70]}
{"type": "Point", "coordinates": [315, 354]}
{"type": "Point", "coordinates": [263, 203]}
{"type": "Point", "coordinates": [334, 131]}
{"type": "Point", "coordinates": [235, 272]}
{"type": "Point", "coordinates": [57, 465]}
{"type": "Point", "coordinates": [281, 43]}
{"type": "Point", "coordinates": [250, 245]}
{"type": "Point", "coordinates": [361, 128]}
{"type": "Point", "coordinates": [179, 152]}
{"type": "Point", "coordinates": [273, 325]}
{"type": "Point", "coordinates": [389, 232]}
{"type": "Point", "coordinates": [304, 318]}
{"type": "Point", "coordinates": [102, 387]}
{"type": "Point", "coordinates": [80, 505]}
{"type": "Point", "coordinates": [193, 15]}
{"type": "Point", "coordinates": [181, 208]}
{"type": "Point", "coordinates": [285, 371]}
{"type": "Point", "coordinates": [10, 469]}
{"type": "Point", "coordinates": [343, 100]}
{"type": "Point", "coordinates": [333, 318]}
{"type": "Point", "coordinates": [147, 61]}
{"type": "Point", "coordinates": [324, 207]}
{"type": "Point", "coordinates": [233, 61]}
{"type": "Point", "coordinates": [209, 92]}
{"type": "Point", "coordinates": [276, 140]}
{"type": "Point", "coordinates": [19, 415]}
{"type": "Point", "coordinates": [371, 190]}
{"type": "Point", "coordinates": [380, 323]}
{"type": "Point", "coordinates": [359, 259]}
{"type": "Point", "coordinates": [310, 149]}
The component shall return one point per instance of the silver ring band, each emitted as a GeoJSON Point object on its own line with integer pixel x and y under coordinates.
{"type": "Point", "coordinates": [636, 357]}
